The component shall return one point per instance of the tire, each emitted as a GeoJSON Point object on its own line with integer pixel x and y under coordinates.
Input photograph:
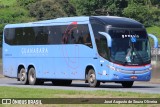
{"type": "Point", "coordinates": [61, 82]}
{"type": "Point", "coordinates": [32, 76]}
{"type": "Point", "coordinates": [23, 76]}
{"type": "Point", "coordinates": [127, 84]}
{"type": "Point", "coordinates": [91, 77]}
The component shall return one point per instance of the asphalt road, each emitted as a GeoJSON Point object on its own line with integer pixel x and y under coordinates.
{"type": "Point", "coordinates": [141, 87]}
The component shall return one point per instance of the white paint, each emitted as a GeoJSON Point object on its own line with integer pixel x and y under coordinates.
{"type": "Point", "coordinates": [104, 72]}
{"type": "Point", "coordinates": [102, 61]}
{"type": "Point", "coordinates": [34, 50]}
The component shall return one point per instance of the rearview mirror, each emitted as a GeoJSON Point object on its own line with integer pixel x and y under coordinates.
{"type": "Point", "coordinates": [109, 39]}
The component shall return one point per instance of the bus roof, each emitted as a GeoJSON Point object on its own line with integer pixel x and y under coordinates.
{"type": "Point", "coordinates": [110, 21]}
{"type": "Point", "coordinates": [51, 22]}
{"type": "Point", "coordinates": [114, 21]}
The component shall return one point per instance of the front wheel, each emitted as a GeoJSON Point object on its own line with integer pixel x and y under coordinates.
{"type": "Point", "coordinates": [93, 82]}
{"type": "Point", "coordinates": [127, 84]}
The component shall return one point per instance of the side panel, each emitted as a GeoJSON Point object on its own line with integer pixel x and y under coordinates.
{"type": "Point", "coordinates": [65, 61]}
{"type": "Point", "coordinates": [68, 61]}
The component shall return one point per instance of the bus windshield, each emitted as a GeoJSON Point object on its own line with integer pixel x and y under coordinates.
{"type": "Point", "coordinates": [130, 47]}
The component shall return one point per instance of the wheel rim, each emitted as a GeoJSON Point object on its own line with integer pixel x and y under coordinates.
{"type": "Point", "coordinates": [32, 76]}
{"type": "Point", "coordinates": [23, 76]}
{"type": "Point", "coordinates": [92, 78]}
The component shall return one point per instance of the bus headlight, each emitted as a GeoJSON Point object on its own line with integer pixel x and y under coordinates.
{"type": "Point", "coordinates": [114, 68]}
{"type": "Point", "coordinates": [111, 67]}
{"type": "Point", "coordinates": [150, 69]}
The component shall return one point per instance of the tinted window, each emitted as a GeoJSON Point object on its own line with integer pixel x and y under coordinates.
{"type": "Point", "coordinates": [102, 48]}
{"type": "Point", "coordinates": [77, 34]}
{"type": "Point", "coordinates": [9, 36]}
{"type": "Point", "coordinates": [101, 41]}
{"type": "Point", "coordinates": [121, 33]}
{"type": "Point", "coordinates": [54, 35]}
{"type": "Point", "coordinates": [71, 34]}
{"type": "Point", "coordinates": [24, 36]}
{"type": "Point", "coordinates": [41, 36]}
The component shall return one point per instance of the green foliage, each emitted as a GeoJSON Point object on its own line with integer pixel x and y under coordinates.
{"type": "Point", "coordinates": [17, 92]}
{"type": "Point", "coordinates": [46, 10]}
{"type": "Point", "coordinates": [26, 3]}
{"type": "Point", "coordinates": [49, 9]}
{"type": "Point", "coordinates": [11, 12]}
{"type": "Point", "coordinates": [67, 7]}
{"type": "Point", "coordinates": [145, 11]}
{"type": "Point", "coordinates": [13, 15]}
{"type": "Point", "coordinates": [99, 7]}
{"type": "Point", "coordinates": [117, 7]}
{"type": "Point", "coordinates": [155, 13]}
{"type": "Point", "coordinates": [17, 11]}
{"type": "Point", "coordinates": [4, 3]}
{"type": "Point", "coordinates": [154, 30]}
{"type": "Point", "coordinates": [85, 7]}
{"type": "Point", "coordinates": [138, 12]}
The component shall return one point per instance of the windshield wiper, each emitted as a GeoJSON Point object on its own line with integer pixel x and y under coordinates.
{"type": "Point", "coordinates": [119, 62]}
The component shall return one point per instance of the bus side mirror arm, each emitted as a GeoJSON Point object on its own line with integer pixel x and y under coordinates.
{"type": "Point", "coordinates": [155, 40]}
{"type": "Point", "coordinates": [109, 39]}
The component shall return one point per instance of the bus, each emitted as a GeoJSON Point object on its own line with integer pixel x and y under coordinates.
{"type": "Point", "coordinates": [94, 49]}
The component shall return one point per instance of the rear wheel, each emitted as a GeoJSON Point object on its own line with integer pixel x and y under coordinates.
{"type": "Point", "coordinates": [61, 82]}
{"type": "Point", "coordinates": [32, 76]}
{"type": "Point", "coordinates": [127, 84]}
{"type": "Point", "coordinates": [23, 76]}
{"type": "Point", "coordinates": [93, 82]}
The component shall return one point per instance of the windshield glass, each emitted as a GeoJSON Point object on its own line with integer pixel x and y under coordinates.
{"type": "Point", "coordinates": [129, 47]}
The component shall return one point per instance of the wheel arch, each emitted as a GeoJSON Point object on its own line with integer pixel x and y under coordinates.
{"type": "Point", "coordinates": [30, 66]}
{"type": "Point", "coordinates": [88, 67]}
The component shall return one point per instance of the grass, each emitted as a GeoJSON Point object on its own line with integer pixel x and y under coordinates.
{"type": "Point", "coordinates": [154, 30]}
{"type": "Point", "coordinates": [13, 92]}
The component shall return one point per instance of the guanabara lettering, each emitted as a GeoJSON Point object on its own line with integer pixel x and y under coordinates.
{"type": "Point", "coordinates": [34, 50]}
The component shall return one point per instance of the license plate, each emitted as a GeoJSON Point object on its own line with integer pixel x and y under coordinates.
{"type": "Point", "coordinates": [133, 77]}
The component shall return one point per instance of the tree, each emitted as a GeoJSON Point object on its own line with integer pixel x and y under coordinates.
{"type": "Point", "coordinates": [99, 7]}
{"type": "Point", "coordinates": [145, 11]}
{"type": "Point", "coordinates": [26, 3]}
{"type": "Point", "coordinates": [49, 9]}
{"type": "Point", "coordinates": [67, 7]}
{"type": "Point", "coordinates": [12, 13]}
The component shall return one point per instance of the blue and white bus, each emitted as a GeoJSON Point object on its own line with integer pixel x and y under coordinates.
{"type": "Point", "coordinates": [94, 49]}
